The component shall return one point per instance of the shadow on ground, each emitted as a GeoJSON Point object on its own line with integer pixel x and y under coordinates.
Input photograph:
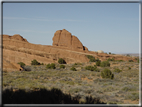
{"type": "Point", "coordinates": [43, 96]}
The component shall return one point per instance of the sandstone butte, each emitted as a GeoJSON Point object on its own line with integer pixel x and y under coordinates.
{"type": "Point", "coordinates": [65, 45]}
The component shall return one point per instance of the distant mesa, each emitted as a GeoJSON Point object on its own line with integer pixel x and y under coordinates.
{"type": "Point", "coordinates": [65, 39]}
{"type": "Point", "coordinates": [15, 37]}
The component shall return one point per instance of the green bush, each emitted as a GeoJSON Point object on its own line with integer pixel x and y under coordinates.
{"type": "Point", "coordinates": [50, 66]}
{"type": "Point", "coordinates": [106, 73]}
{"type": "Point", "coordinates": [91, 68]}
{"type": "Point", "coordinates": [97, 59]}
{"type": "Point", "coordinates": [73, 69]}
{"type": "Point", "coordinates": [77, 63]}
{"type": "Point", "coordinates": [105, 64]}
{"type": "Point", "coordinates": [35, 62]}
{"type": "Point", "coordinates": [92, 59]}
{"type": "Point", "coordinates": [131, 61]}
{"type": "Point", "coordinates": [98, 63]}
{"type": "Point", "coordinates": [62, 66]}
{"type": "Point", "coordinates": [97, 70]}
{"type": "Point", "coordinates": [120, 60]}
{"type": "Point", "coordinates": [109, 52]}
{"type": "Point", "coordinates": [109, 59]}
{"type": "Point", "coordinates": [117, 70]}
{"type": "Point", "coordinates": [61, 61]}
{"type": "Point", "coordinates": [21, 64]}
{"type": "Point", "coordinates": [129, 68]}
{"type": "Point", "coordinates": [95, 66]}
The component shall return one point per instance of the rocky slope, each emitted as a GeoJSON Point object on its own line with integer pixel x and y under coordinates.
{"type": "Point", "coordinates": [18, 49]}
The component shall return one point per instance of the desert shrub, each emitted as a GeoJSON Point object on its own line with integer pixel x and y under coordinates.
{"type": "Point", "coordinates": [129, 88]}
{"type": "Point", "coordinates": [112, 59]}
{"type": "Point", "coordinates": [61, 61]}
{"type": "Point", "coordinates": [105, 64]}
{"type": "Point", "coordinates": [109, 59]}
{"type": "Point", "coordinates": [73, 69]}
{"type": "Point", "coordinates": [91, 68]}
{"type": "Point", "coordinates": [21, 64]}
{"type": "Point", "coordinates": [129, 68]}
{"type": "Point", "coordinates": [77, 63]}
{"type": "Point", "coordinates": [109, 52]}
{"type": "Point", "coordinates": [97, 70]}
{"type": "Point", "coordinates": [132, 96]}
{"type": "Point", "coordinates": [50, 66]}
{"type": "Point", "coordinates": [42, 63]}
{"type": "Point", "coordinates": [120, 60]}
{"type": "Point", "coordinates": [98, 63]}
{"type": "Point", "coordinates": [106, 73]}
{"type": "Point", "coordinates": [95, 66]}
{"type": "Point", "coordinates": [98, 59]}
{"type": "Point", "coordinates": [131, 61]}
{"type": "Point", "coordinates": [62, 66]}
{"type": "Point", "coordinates": [35, 62]}
{"type": "Point", "coordinates": [117, 70]}
{"type": "Point", "coordinates": [92, 59]}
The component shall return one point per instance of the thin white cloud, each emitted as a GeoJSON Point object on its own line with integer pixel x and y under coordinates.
{"type": "Point", "coordinates": [39, 19]}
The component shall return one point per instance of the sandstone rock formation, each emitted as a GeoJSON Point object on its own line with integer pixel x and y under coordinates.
{"type": "Point", "coordinates": [15, 37]}
{"type": "Point", "coordinates": [66, 39]}
{"type": "Point", "coordinates": [11, 66]}
{"type": "Point", "coordinates": [17, 49]}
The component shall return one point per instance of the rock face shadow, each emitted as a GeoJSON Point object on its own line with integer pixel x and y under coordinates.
{"type": "Point", "coordinates": [43, 96]}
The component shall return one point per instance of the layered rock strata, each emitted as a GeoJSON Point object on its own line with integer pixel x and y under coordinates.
{"type": "Point", "coordinates": [18, 49]}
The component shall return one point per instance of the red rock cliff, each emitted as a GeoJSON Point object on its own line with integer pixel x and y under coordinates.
{"type": "Point", "coordinates": [64, 38]}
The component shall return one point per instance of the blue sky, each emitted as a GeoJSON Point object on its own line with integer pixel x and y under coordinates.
{"type": "Point", "coordinates": [111, 27]}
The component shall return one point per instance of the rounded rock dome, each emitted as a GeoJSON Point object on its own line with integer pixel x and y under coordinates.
{"type": "Point", "coordinates": [100, 51]}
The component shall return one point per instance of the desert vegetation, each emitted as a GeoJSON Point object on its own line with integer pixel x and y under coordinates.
{"type": "Point", "coordinates": [91, 58]}
{"type": "Point", "coordinates": [106, 82]}
{"type": "Point", "coordinates": [21, 64]}
{"type": "Point", "coordinates": [106, 73]}
{"type": "Point", "coordinates": [50, 66]}
{"type": "Point", "coordinates": [61, 61]}
{"type": "Point", "coordinates": [35, 62]}
{"type": "Point", "coordinates": [105, 64]}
